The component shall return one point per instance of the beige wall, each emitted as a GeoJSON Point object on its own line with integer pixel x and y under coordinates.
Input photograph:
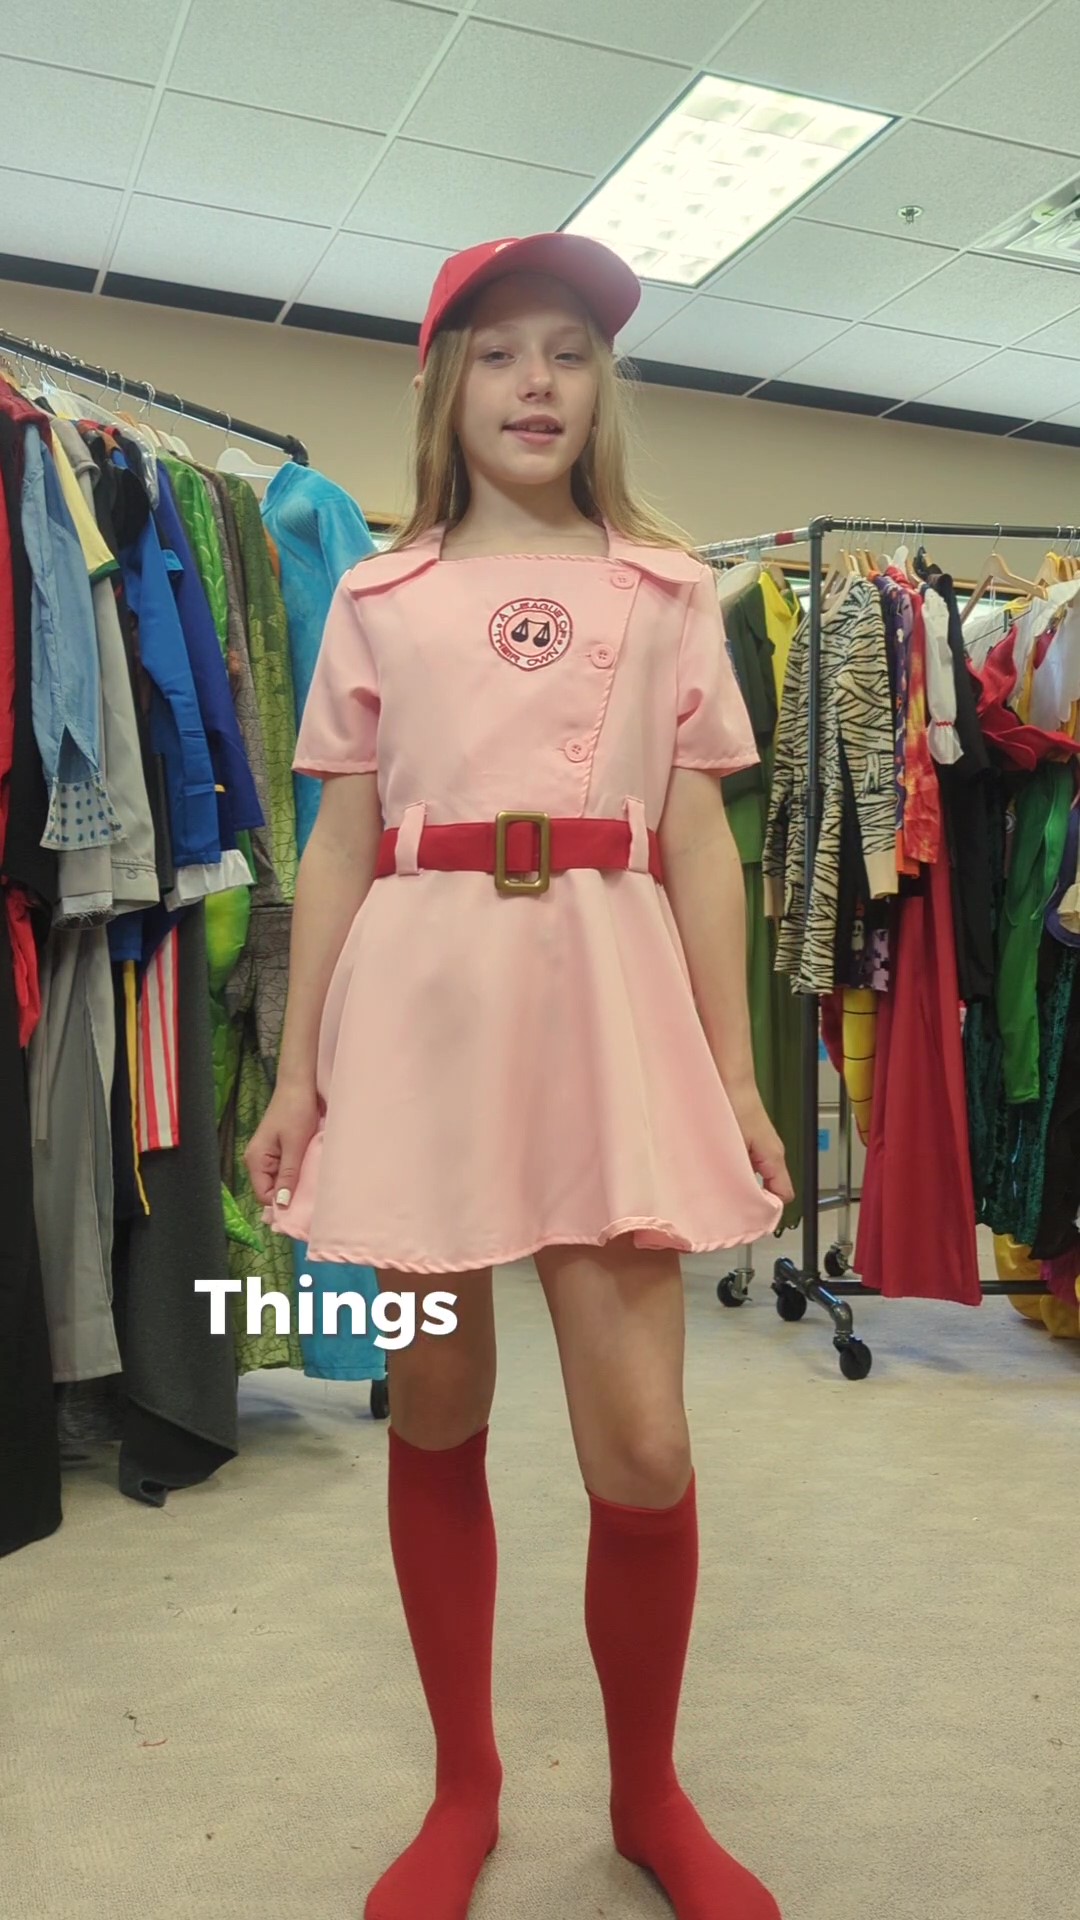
{"type": "Point", "coordinates": [719, 466]}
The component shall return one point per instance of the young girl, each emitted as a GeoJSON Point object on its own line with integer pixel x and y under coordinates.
{"type": "Point", "coordinates": [529, 1036]}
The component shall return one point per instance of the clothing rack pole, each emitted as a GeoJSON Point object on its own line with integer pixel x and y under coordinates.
{"type": "Point", "coordinates": [810, 1018]}
{"type": "Point", "coordinates": [142, 390]}
{"type": "Point", "coordinates": [795, 1287]}
{"type": "Point", "coordinates": [754, 543]}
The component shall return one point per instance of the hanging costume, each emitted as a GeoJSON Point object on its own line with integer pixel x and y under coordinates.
{"type": "Point", "coordinates": [855, 731]}
{"type": "Point", "coordinates": [320, 533]}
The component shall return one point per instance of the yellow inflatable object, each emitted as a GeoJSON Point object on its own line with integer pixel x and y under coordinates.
{"type": "Point", "coordinates": [860, 1047]}
{"type": "Point", "coordinates": [1060, 1320]}
{"type": "Point", "coordinates": [1014, 1262]}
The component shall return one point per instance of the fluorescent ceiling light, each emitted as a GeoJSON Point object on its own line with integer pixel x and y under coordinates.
{"type": "Point", "coordinates": [1048, 233]}
{"type": "Point", "coordinates": [722, 166]}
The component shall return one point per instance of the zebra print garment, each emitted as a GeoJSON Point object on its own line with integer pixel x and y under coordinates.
{"type": "Point", "coordinates": [856, 710]}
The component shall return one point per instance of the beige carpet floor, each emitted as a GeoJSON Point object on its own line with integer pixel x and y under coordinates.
{"type": "Point", "coordinates": [211, 1710]}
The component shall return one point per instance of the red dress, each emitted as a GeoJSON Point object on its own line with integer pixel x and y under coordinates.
{"type": "Point", "coordinates": [917, 1220]}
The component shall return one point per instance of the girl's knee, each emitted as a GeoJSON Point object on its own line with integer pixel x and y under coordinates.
{"type": "Point", "coordinates": [439, 1394]}
{"type": "Point", "coordinates": [643, 1468]}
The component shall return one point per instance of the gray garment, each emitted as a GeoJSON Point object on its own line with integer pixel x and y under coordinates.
{"type": "Point", "coordinates": [71, 1060]}
{"type": "Point", "coordinates": [175, 1369]}
{"type": "Point", "coordinates": [259, 983]}
{"type": "Point", "coordinates": [266, 891]}
{"type": "Point", "coordinates": [97, 882]}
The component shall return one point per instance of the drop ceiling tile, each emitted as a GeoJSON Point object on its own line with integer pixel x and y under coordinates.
{"type": "Point", "coordinates": [477, 197]}
{"type": "Point", "coordinates": [1062, 338]}
{"type": "Point", "coordinates": [687, 32]}
{"type": "Point", "coordinates": [72, 126]}
{"type": "Point", "coordinates": [253, 161]}
{"type": "Point", "coordinates": [387, 277]}
{"type": "Point", "coordinates": [656, 306]}
{"type": "Point", "coordinates": [336, 61]}
{"type": "Point", "coordinates": [819, 270]}
{"type": "Point", "coordinates": [205, 247]}
{"type": "Point", "coordinates": [966, 185]}
{"type": "Point", "coordinates": [872, 359]}
{"type": "Point", "coordinates": [525, 97]}
{"type": "Point", "coordinates": [728, 337]}
{"type": "Point", "coordinates": [47, 219]}
{"type": "Point", "coordinates": [979, 298]}
{"type": "Point", "coordinates": [126, 40]}
{"type": "Point", "coordinates": [1032, 386]}
{"type": "Point", "coordinates": [1014, 87]}
{"type": "Point", "coordinates": [871, 56]}
{"type": "Point", "coordinates": [1070, 418]}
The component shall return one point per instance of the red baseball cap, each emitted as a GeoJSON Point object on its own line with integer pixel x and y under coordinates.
{"type": "Point", "coordinates": [610, 289]}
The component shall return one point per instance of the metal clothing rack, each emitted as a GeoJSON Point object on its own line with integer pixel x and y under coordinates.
{"type": "Point", "coordinates": [142, 390]}
{"type": "Point", "coordinates": [796, 1286]}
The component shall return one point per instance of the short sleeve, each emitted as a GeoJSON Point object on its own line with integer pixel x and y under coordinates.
{"type": "Point", "coordinates": [714, 733]}
{"type": "Point", "coordinates": [339, 726]}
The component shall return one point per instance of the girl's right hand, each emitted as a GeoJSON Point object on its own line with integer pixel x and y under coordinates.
{"type": "Point", "coordinates": [276, 1149]}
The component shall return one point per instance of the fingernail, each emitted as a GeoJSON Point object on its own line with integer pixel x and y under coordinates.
{"type": "Point", "coordinates": [283, 1196]}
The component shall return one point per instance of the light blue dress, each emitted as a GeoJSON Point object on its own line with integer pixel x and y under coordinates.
{"type": "Point", "coordinates": [319, 532]}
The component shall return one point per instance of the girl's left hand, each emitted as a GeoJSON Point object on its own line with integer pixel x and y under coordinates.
{"type": "Point", "coordinates": [764, 1145]}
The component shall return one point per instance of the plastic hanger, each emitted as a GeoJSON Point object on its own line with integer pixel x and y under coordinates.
{"type": "Point", "coordinates": [901, 561]}
{"type": "Point", "coordinates": [235, 460]}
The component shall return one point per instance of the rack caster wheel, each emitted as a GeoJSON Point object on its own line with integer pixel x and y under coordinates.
{"type": "Point", "coordinates": [856, 1359]}
{"type": "Point", "coordinates": [791, 1303]}
{"type": "Point", "coordinates": [380, 1399]}
{"type": "Point", "coordinates": [836, 1264]}
{"type": "Point", "coordinates": [730, 1291]}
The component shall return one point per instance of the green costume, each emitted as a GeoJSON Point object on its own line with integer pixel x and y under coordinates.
{"type": "Point", "coordinates": [1038, 844]}
{"type": "Point", "coordinates": [192, 497]}
{"type": "Point", "coordinates": [247, 929]}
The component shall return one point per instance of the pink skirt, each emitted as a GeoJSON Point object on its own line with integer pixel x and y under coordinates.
{"type": "Point", "coordinates": [497, 1075]}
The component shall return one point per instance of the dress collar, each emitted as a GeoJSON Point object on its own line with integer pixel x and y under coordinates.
{"type": "Point", "coordinates": [672, 564]}
{"type": "Point", "coordinates": [382, 570]}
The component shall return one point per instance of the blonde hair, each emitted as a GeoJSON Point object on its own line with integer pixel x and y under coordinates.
{"type": "Point", "coordinates": [600, 479]}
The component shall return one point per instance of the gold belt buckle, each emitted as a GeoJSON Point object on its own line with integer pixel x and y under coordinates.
{"type": "Point", "coordinates": [506, 883]}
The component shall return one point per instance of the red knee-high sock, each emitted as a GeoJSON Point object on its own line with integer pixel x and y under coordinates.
{"type": "Point", "coordinates": [639, 1604]}
{"type": "Point", "coordinates": [442, 1536]}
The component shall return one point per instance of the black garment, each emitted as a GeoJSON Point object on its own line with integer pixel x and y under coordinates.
{"type": "Point", "coordinates": [967, 805]}
{"type": "Point", "coordinates": [29, 1446]}
{"type": "Point", "coordinates": [1061, 1181]}
{"type": "Point", "coordinates": [180, 1379]}
{"type": "Point", "coordinates": [25, 861]}
{"type": "Point", "coordinates": [853, 889]}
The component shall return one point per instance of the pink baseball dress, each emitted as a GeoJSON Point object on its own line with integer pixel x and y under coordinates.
{"type": "Point", "coordinates": [496, 1073]}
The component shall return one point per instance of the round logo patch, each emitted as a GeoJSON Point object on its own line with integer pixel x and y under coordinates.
{"type": "Point", "coordinates": [531, 633]}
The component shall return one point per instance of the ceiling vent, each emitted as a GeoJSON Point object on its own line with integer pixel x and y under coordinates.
{"type": "Point", "coordinates": [1048, 234]}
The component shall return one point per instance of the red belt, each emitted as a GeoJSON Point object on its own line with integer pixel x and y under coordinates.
{"type": "Point", "coordinates": [517, 845]}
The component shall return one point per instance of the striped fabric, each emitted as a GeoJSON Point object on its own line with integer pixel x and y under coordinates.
{"type": "Point", "coordinates": [159, 1037]}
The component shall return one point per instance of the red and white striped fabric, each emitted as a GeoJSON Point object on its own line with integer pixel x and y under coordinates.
{"type": "Point", "coordinates": [159, 1040]}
